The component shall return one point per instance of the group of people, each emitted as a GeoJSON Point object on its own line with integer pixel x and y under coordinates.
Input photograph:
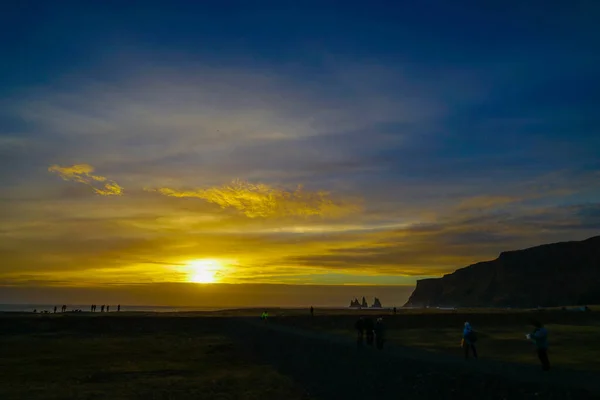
{"type": "Point", "coordinates": [93, 308]}
{"type": "Point", "coordinates": [373, 330]}
{"type": "Point", "coordinates": [375, 333]}
{"type": "Point", "coordinates": [539, 337]}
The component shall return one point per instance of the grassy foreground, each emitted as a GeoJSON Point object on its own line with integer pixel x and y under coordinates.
{"type": "Point", "coordinates": [226, 356]}
{"type": "Point", "coordinates": [90, 357]}
{"type": "Point", "coordinates": [574, 337]}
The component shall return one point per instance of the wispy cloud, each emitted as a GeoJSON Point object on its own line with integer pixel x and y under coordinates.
{"type": "Point", "coordinates": [486, 202]}
{"type": "Point", "coordinates": [83, 173]}
{"type": "Point", "coordinates": [264, 201]}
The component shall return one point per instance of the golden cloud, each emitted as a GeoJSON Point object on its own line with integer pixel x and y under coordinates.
{"type": "Point", "coordinates": [263, 201]}
{"type": "Point", "coordinates": [83, 173]}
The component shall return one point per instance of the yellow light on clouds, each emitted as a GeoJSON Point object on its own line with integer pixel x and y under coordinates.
{"type": "Point", "coordinates": [203, 270]}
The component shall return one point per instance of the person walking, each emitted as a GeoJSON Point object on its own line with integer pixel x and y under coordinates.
{"type": "Point", "coordinates": [540, 337]}
{"type": "Point", "coordinates": [369, 330]}
{"type": "Point", "coordinates": [468, 341]}
{"type": "Point", "coordinates": [379, 333]}
{"type": "Point", "coordinates": [312, 311]}
{"type": "Point", "coordinates": [360, 331]}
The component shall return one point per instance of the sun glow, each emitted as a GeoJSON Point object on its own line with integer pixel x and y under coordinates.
{"type": "Point", "coordinates": [203, 271]}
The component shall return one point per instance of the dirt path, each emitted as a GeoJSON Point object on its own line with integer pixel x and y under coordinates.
{"type": "Point", "coordinates": [331, 367]}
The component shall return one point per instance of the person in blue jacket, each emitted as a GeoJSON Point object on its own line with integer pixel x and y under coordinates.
{"type": "Point", "coordinates": [468, 341]}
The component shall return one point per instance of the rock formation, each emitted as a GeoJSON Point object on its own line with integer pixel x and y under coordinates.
{"type": "Point", "coordinates": [376, 303]}
{"type": "Point", "coordinates": [566, 273]}
{"type": "Point", "coordinates": [354, 303]}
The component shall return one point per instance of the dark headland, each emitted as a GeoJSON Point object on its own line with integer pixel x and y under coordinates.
{"type": "Point", "coordinates": [550, 275]}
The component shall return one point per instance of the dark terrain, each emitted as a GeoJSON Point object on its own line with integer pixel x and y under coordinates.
{"type": "Point", "coordinates": [187, 356]}
{"type": "Point", "coordinates": [549, 275]}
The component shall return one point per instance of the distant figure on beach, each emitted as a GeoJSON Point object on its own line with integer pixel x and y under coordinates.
{"type": "Point", "coordinates": [312, 311]}
{"type": "Point", "coordinates": [55, 308]}
{"type": "Point", "coordinates": [92, 308]}
{"type": "Point", "coordinates": [369, 330]}
{"type": "Point", "coordinates": [394, 310]}
{"type": "Point", "coordinates": [118, 308]}
{"type": "Point", "coordinates": [379, 333]}
{"type": "Point", "coordinates": [360, 331]}
{"type": "Point", "coordinates": [468, 341]}
{"type": "Point", "coordinates": [102, 308]}
{"type": "Point", "coordinates": [64, 308]}
{"type": "Point", "coordinates": [264, 316]}
{"type": "Point", "coordinates": [107, 308]}
{"type": "Point", "coordinates": [35, 310]}
{"type": "Point", "coordinates": [540, 337]}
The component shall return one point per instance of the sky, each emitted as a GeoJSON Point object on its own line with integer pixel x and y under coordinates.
{"type": "Point", "coordinates": [282, 152]}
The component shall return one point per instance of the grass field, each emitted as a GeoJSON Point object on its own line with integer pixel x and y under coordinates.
{"type": "Point", "coordinates": [58, 357]}
{"type": "Point", "coordinates": [574, 337]}
{"type": "Point", "coordinates": [226, 356]}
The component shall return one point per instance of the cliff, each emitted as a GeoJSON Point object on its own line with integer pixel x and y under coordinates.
{"type": "Point", "coordinates": [566, 273]}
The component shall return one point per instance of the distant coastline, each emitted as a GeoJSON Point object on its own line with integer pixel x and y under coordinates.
{"type": "Point", "coordinates": [85, 308]}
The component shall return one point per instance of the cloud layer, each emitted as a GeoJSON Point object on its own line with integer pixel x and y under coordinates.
{"type": "Point", "coordinates": [261, 200]}
{"type": "Point", "coordinates": [449, 165]}
{"type": "Point", "coordinates": [82, 173]}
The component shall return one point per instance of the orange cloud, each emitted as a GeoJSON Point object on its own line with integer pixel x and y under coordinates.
{"type": "Point", "coordinates": [83, 173]}
{"type": "Point", "coordinates": [261, 200]}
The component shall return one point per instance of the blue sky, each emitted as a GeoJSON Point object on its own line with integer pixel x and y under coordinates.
{"type": "Point", "coordinates": [425, 137]}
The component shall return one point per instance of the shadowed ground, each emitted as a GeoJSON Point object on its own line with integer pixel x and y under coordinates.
{"type": "Point", "coordinates": [330, 366]}
{"type": "Point", "coordinates": [153, 356]}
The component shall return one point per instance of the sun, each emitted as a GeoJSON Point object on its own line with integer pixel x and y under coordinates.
{"type": "Point", "coordinates": [203, 271]}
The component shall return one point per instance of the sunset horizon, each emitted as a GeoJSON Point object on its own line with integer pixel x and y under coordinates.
{"type": "Point", "coordinates": [293, 156]}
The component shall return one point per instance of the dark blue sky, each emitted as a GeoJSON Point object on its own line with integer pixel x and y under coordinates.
{"type": "Point", "coordinates": [442, 131]}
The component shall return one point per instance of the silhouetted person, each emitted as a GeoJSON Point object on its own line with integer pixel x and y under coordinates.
{"type": "Point", "coordinates": [468, 340]}
{"type": "Point", "coordinates": [55, 308]}
{"type": "Point", "coordinates": [64, 308]}
{"type": "Point", "coordinates": [312, 311]}
{"type": "Point", "coordinates": [118, 308]}
{"type": "Point", "coordinates": [360, 331]}
{"type": "Point", "coordinates": [394, 310]}
{"type": "Point", "coordinates": [35, 310]}
{"type": "Point", "coordinates": [369, 330]}
{"type": "Point", "coordinates": [264, 316]}
{"type": "Point", "coordinates": [102, 308]}
{"type": "Point", "coordinates": [107, 308]}
{"type": "Point", "coordinates": [540, 337]}
{"type": "Point", "coordinates": [379, 333]}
